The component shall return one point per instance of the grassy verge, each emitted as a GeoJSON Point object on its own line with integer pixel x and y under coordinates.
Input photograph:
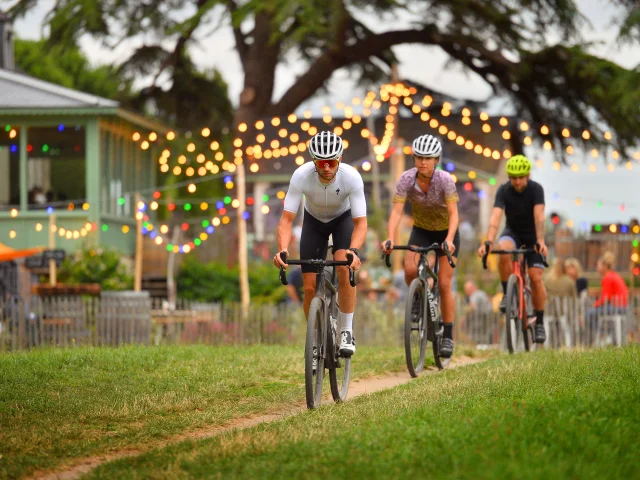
{"type": "Point", "coordinates": [543, 415]}
{"type": "Point", "coordinates": [57, 405]}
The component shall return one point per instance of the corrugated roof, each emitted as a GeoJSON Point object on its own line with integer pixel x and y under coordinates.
{"type": "Point", "coordinates": [23, 91]}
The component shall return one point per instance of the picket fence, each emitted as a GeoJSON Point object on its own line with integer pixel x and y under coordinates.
{"type": "Point", "coordinates": [120, 318]}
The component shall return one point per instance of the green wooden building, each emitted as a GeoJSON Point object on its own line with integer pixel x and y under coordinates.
{"type": "Point", "coordinates": [78, 155]}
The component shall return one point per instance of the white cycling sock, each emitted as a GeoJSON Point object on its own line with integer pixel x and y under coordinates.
{"type": "Point", "coordinates": [346, 321]}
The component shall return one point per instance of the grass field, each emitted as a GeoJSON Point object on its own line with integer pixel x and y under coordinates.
{"type": "Point", "coordinates": [543, 415]}
{"type": "Point", "coordinates": [57, 405]}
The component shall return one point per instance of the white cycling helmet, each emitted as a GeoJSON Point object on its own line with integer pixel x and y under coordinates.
{"type": "Point", "coordinates": [427, 146]}
{"type": "Point", "coordinates": [325, 146]}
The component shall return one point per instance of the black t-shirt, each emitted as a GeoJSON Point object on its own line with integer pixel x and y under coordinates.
{"type": "Point", "coordinates": [518, 207]}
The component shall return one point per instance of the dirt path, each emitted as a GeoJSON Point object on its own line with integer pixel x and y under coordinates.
{"type": "Point", "coordinates": [356, 388]}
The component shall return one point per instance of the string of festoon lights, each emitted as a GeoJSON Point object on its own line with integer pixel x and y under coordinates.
{"type": "Point", "coordinates": [294, 143]}
{"type": "Point", "coordinates": [208, 226]}
{"type": "Point", "coordinates": [389, 94]}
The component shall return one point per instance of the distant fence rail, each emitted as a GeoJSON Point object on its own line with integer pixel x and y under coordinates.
{"type": "Point", "coordinates": [120, 318]}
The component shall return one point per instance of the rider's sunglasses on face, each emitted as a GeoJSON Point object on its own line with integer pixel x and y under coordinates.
{"type": "Point", "coordinates": [321, 164]}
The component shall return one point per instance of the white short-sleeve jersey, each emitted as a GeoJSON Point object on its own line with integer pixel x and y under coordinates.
{"type": "Point", "coordinates": [326, 202]}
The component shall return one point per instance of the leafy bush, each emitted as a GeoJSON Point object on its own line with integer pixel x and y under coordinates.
{"type": "Point", "coordinates": [96, 265]}
{"type": "Point", "coordinates": [215, 282]}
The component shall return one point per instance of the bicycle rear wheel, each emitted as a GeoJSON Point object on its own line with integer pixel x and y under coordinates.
{"type": "Point", "coordinates": [315, 349]}
{"type": "Point", "coordinates": [415, 335]}
{"type": "Point", "coordinates": [513, 323]}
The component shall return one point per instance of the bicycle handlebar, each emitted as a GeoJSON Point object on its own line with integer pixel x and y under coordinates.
{"type": "Point", "coordinates": [515, 251]}
{"type": "Point", "coordinates": [433, 247]}
{"type": "Point", "coordinates": [319, 264]}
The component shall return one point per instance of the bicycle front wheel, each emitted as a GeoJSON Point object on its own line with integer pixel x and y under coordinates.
{"type": "Point", "coordinates": [513, 323]}
{"type": "Point", "coordinates": [415, 335]}
{"type": "Point", "coordinates": [438, 329]}
{"type": "Point", "coordinates": [314, 351]}
{"type": "Point", "coordinates": [530, 334]}
{"type": "Point", "coordinates": [339, 377]}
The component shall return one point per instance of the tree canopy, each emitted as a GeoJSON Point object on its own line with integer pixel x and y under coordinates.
{"type": "Point", "coordinates": [504, 42]}
{"type": "Point", "coordinates": [70, 68]}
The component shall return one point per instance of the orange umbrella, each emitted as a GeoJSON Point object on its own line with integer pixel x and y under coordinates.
{"type": "Point", "coordinates": [7, 253]}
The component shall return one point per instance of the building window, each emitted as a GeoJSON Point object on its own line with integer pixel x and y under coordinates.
{"type": "Point", "coordinates": [56, 167]}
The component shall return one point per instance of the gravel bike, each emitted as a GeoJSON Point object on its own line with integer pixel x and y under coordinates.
{"type": "Point", "coordinates": [322, 346]}
{"type": "Point", "coordinates": [423, 319]}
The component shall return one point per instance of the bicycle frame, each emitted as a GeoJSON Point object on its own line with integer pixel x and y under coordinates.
{"type": "Point", "coordinates": [519, 269]}
{"type": "Point", "coordinates": [322, 285]}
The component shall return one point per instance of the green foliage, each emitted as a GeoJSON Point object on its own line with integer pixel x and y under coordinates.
{"type": "Point", "coordinates": [96, 265]}
{"type": "Point", "coordinates": [70, 68]}
{"type": "Point", "coordinates": [504, 42]}
{"type": "Point", "coordinates": [215, 282]}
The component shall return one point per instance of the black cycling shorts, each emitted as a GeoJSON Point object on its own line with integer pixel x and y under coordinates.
{"type": "Point", "coordinates": [423, 238]}
{"type": "Point", "coordinates": [314, 240]}
{"type": "Point", "coordinates": [534, 260]}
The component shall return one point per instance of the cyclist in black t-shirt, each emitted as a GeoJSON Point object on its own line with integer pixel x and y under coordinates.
{"type": "Point", "coordinates": [522, 201]}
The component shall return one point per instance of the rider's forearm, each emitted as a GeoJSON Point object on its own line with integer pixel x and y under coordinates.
{"type": "Point", "coordinates": [392, 226]}
{"type": "Point", "coordinates": [284, 234]}
{"type": "Point", "coordinates": [453, 224]}
{"type": "Point", "coordinates": [494, 224]}
{"type": "Point", "coordinates": [540, 228]}
{"type": "Point", "coordinates": [359, 234]}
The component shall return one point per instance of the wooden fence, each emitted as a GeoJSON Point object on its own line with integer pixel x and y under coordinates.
{"type": "Point", "coordinates": [119, 318]}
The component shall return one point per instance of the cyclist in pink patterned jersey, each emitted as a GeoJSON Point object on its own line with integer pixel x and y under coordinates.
{"type": "Point", "coordinates": [434, 201]}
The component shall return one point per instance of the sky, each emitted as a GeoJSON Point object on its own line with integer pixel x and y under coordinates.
{"type": "Point", "coordinates": [426, 65]}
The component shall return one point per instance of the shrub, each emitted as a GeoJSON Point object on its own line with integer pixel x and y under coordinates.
{"type": "Point", "coordinates": [96, 265]}
{"type": "Point", "coordinates": [215, 282]}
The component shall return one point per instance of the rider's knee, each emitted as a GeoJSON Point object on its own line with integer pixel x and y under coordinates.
{"type": "Point", "coordinates": [505, 245]}
{"type": "Point", "coordinates": [535, 276]}
{"type": "Point", "coordinates": [444, 285]}
{"type": "Point", "coordinates": [309, 289]}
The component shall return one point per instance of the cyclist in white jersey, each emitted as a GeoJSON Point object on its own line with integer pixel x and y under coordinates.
{"type": "Point", "coordinates": [334, 205]}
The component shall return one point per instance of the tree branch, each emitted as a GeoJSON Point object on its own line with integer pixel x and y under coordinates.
{"type": "Point", "coordinates": [331, 60]}
{"type": "Point", "coordinates": [241, 39]}
{"type": "Point", "coordinates": [172, 59]}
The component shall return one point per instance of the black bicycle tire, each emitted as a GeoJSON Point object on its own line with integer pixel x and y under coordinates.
{"type": "Point", "coordinates": [530, 335]}
{"type": "Point", "coordinates": [340, 389]}
{"type": "Point", "coordinates": [414, 370]}
{"type": "Point", "coordinates": [512, 290]}
{"type": "Point", "coordinates": [313, 384]}
{"type": "Point", "coordinates": [436, 343]}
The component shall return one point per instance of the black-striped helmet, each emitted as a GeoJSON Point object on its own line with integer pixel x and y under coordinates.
{"type": "Point", "coordinates": [325, 146]}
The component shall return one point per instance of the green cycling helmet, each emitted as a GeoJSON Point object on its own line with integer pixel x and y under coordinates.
{"type": "Point", "coordinates": [518, 166]}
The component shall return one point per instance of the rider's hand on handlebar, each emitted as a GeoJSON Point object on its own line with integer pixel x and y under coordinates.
{"type": "Point", "coordinates": [483, 250]}
{"type": "Point", "coordinates": [450, 246]}
{"type": "Point", "coordinates": [384, 246]}
{"type": "Point", "coordinates": [277, 261]}
{"type": "Point", "coordinates": [355, 263]}
{"type": "Point", "coordinates": [542, 249]}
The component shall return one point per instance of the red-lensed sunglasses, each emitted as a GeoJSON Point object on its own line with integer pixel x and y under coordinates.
{"type": "Point", "coordinates": [323, 163]}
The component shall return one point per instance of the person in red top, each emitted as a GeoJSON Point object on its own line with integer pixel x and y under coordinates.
{"type": "Point", "coordinates": [614, 294]}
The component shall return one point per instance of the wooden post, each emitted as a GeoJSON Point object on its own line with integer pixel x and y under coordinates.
{"type": "Point", "coordinates": [171, 268]}
{"type": "Point", "coordinates": [52, 246]}
{"type": "Point", "coordinates": [398, 161]}
{"type": "Point", "coordinates": [375, 168]}
{"type": "Point", "coordinates": [243, 260]}
{"type": "Point", "coordinates": [137, 283]}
